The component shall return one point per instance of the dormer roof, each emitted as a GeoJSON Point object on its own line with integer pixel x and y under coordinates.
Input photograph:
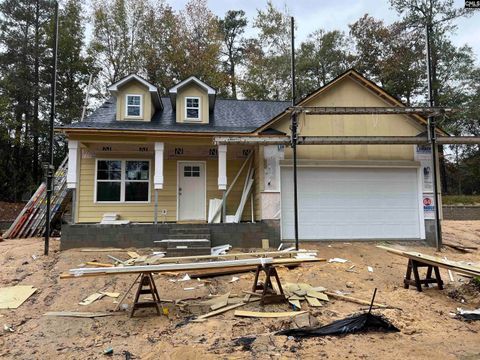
{"type": "Point", "coordinates": [192, 79]}
{"type": "Point", "coordinates": [157, 101]}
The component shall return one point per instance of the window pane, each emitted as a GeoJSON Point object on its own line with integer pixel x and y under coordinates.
{"type": "Point", "coordinates": [192, 113]}
{"type": "Point", "coordinates": [133, 110]}
{"type": "Point", "coordinates": [136, 191]}
{"type": "Point", "coordinates": [193, 103]}
{"type": "Point", "coordinates": [133, 100]}
{"type": "Point", "coordinates": [196, 171]}
{"type": "Point", "coordinates": [136, 170]}
{"type": "Point", "coordinates": [108, 191]}
{"type": "Point", "coordinates": [109, 170]}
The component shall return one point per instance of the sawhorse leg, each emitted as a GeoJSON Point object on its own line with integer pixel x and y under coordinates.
{"type": "Point", "coordinates": [413, 266]}
{"type": "Point", "coordinates": [268, 293]}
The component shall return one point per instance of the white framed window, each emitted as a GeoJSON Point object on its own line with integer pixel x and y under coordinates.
{"type": "Point", "coordinates": [133, 105]}
{"type": "Point", "coordinates": [192, 108]}
{"type": "Point", "coordinates": [122, 181]}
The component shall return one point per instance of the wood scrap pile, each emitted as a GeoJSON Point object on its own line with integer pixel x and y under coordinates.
{"type": "Point", "coordinates": [297, 292]}
{"type": "Point", "coordinates": [219, 304]}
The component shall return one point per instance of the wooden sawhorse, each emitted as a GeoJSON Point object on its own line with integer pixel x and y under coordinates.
{"type": "Point", "coordinates": [146, 287]}
{"type": "Point", "coordinates": [413, 266]}
{"type": "Point", "coordinates": [269, 295]}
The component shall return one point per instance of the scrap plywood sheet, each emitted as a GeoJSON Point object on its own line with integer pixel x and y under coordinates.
{"type": "Point", "coordinates": [12, 297]}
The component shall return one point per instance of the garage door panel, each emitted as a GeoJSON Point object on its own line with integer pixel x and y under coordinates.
{"type": "Point", "coordinates": [352, 203]}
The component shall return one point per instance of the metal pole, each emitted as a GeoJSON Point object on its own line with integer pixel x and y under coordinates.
{"type": "Point", "coordinates": [294, 135]}
{"type": "Point", "coordinates": [52, 118]}
{"type": "Point", "coordinates": [432, 136]}
{"type": "Point", "coordinates": [155, 214]}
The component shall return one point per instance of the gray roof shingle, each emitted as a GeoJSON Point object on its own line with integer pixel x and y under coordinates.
{"type": "Point", "coordinates": [232, 116]}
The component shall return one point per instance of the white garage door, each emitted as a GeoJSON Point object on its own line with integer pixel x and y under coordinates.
{"type": "Point", "coordinates": [351, 203]}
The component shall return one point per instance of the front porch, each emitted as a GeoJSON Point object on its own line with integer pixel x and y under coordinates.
{"type": "Point", "coordinates": [171, 181]}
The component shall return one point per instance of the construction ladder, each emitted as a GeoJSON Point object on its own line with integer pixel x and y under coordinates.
{"type": "Point", "coordinates": [32, 219]}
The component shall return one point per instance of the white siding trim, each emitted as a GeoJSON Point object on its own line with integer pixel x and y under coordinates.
{"type": "Point", "coordinates": [158, 177]}
{"type": "Point", "coordinates": [72, 172]}
{"type": "Point", "coordinates": [222, 167]}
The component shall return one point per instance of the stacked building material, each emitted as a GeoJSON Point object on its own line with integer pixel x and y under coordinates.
{"type": "Point", "coordinates": [32, 219]}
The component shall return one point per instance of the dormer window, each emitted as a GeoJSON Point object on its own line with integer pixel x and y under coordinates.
{"type": "Point", "coordinates": [192, 108]}
{"type": "Point", "coordinates": [133, 105]}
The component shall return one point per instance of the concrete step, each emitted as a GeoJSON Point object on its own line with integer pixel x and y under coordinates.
{"type": "Point", "coordinates": [189, 236]}
{"type": "Point", "coordinates": [175, 243]}
{"type": "Point", "coordinates": [193, 251]}
{"type": "Point", "coordinates": [193, 230]}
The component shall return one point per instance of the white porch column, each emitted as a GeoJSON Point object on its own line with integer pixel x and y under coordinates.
{"type": "Point", "coordinates": [72, 164]}
{"type": "Point", "coordinates": [222, 167]}
{"type": "Point", "coordinates": [158, 176]}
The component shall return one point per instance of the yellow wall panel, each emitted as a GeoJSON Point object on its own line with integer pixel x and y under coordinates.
{"type": "Point", "coordinates": [348, 92]}
{"type": "Point", "coordinates": [89, 211]}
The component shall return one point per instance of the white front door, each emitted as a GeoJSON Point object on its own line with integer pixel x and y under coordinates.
{"type": "Point", "coordinates": [191, 191]}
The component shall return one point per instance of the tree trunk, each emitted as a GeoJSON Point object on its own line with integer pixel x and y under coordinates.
{"type": "Point", "coordinates": [233, 82]}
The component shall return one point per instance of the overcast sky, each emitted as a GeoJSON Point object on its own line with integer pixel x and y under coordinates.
{"type": "Point", "coordinates": [338, 14]}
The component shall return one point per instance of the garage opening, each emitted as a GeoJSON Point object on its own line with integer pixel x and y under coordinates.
{"type": "Point", "coordinates": [352, 203]}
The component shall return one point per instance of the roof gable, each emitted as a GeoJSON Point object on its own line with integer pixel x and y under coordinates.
{"type": "Point", "coordinates": [211, 92]}
{"type": "Point", "coordinates": [115, 88]}
{"type": "Point", "coordinates": [354, 75]}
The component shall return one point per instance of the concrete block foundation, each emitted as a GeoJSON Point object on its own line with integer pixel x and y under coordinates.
{"type": "Point", "coordinates": [242, 235]}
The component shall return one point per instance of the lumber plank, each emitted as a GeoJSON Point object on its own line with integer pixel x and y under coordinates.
{"type": "Point", "coordinates": [313, 302]}
{"type": "Point", "coordinates": [459, 246]}
{"type": "Point", "coordinates": [102, 250]}
{"type": "Point", "coordinates": [78, 314]}
{"type": "Point", "coordinates": [11, 297]}
{"type": "Point", "coordinates": [435, 261]}
{"type": "Point", "coordinates": [81, 272]}
{"type": "Point", "coordinates": [274, 254]}
{"type": "Point", "coordinates": [90, 299]}
{"type": "Point", "coordinates": [295, 302]}
{"type": "Point", "coordinates": [97, 264]}
{"type": "Point", "coordinates": [258, 314]}
{"type": "Point", "coordinates": [219, 311]}
{"type": "Point", "coordinates": [354, 300]}
{"type": "Point", "coordinates": [317, 295]}
{"type": "Point", "coordinates": [220, 301]}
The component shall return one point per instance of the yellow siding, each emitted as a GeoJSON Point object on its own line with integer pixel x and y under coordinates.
{"type": "Point", "coordinates": [192, 90]}
{"type": "Point", "coordinates": [347, 92]}
{"type": "Point", "coordinates": [135, 88]}
{"type": "Point", "coordinates": [89, 211]}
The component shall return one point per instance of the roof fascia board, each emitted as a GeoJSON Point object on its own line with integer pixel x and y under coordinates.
{"type": "Point", "coordinates": [114, 87]}
{"type": "Point", "coordinates": [209, 89]}
{"type": "Point", "coordinates": [76, 131]}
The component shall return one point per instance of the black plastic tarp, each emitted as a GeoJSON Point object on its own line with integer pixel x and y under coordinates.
{"type": "Point", "coordinates": [356, 323]}
{"type": "Point", "coordinates": [353, 324]}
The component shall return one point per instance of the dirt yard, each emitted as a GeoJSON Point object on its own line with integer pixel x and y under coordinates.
{"type": "Point", "coordinates": [427, 327]}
